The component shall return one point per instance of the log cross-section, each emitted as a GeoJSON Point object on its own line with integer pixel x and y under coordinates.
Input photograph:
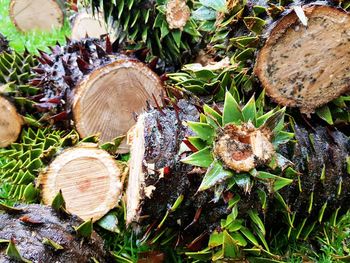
{"type": "Point", "coordinates": [85, 24]}
{"type": "Point", "coordinates": [37, 14]}
{"type": "Point", "coordinates": [10, 123]}
{"type": "Point", "coordinates": [105, 101]}
{"type": "Point", "coordinates": [307, 66]}
{"type": "Point", "coordinates": [89, 179]}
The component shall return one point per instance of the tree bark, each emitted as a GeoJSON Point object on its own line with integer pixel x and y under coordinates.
{"type": "Point", "coordinates": [158, 180]}
{"type": "Point", "coordinates": [33, 229]}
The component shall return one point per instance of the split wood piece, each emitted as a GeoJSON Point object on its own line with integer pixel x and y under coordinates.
{"type": "Point", "coordinates": [85, 24]}
{"type": "Point", "coordinates": [40, 15]}
{"type": "Point", "coordinates": [306, 67]}
{"type": "Point", "coordinates": [10, 123]}
{"type": "Point", "coordinates": [105, 101]}
{"type": "Point", "coordinates": [89, 178]}
{"type": "Point", "coordinates": [155, 141]}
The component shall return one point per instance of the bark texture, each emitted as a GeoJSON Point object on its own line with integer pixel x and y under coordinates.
{"type": "Point", "coordinates": [33, 223]}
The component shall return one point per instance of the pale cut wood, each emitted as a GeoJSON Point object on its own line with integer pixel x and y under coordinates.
{"type": "Point", "coordinates": [10, 123]}
{"type": "Point", "coordinates": [85, 24]}
{"type": "Point", "coordinates": [105, 101]}
{"type": "Point", "coordinates": [136, 181]}
{"type": "Point", "coordinates": [40, 15]}
{"type": "Point", "coordinates": [306, 67]}
{"type": "Point", "coordinates": [90, 180]}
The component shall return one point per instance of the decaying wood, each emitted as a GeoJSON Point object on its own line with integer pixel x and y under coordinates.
{"type": "Point", "coordinates": [10, 123]}
{"type": "Point", "coordinates": [307, 66]}
{"type": "Point", "coordinates": [86, 24]}
{"type": "Point", "coordinates": [242, 147]}
{"type": "Point", "coordinates": [105, 101]}
{"type": "Point", "coordinates": [89, 178]}
{"type": "Point", "coordinates": [40, 15]}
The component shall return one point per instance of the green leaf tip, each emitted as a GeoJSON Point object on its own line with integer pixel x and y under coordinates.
{"type": "Point", "coordinates": [10, 209]}
{"type": "Point", "coordinates": [85, 229]}
{"type": "Point", "coordinates": [58, 202]}
{"type": "Point", "coordinates": [12, 252]}
{"type": "Point", "coordinates": [215, 174]}
{"type": "Point", "coordinates": [202, 158]}
{"type": "Point", "coordinates": [232, 112]}
{"type": "Point", "coordinates": [110, 222]}
{"type": "Point", "coordinates": [51, 243]}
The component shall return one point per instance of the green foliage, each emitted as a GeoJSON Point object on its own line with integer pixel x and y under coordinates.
{"type": "Point", "coordinates": [13, 253]}
{"type": "Point", "coordinates": [238, 233]}
{"type": "Point", "coordinates": [85, 229]}
{"type": "Point", "coordinates": [31, 41]}
{"type": "Point", "coordinates": [336, 111]}
{"type": "Point", "coordinates": [123, 243]}
{"type": "Point", "coordinates": [142, 24]}
{"type": "Point", "coordinates": [212, 83]}
{"type": "Point", "coordinates": [15, 72]}
{"type": "Point", "coordinates": [21, 162]}
{"type": "Point", "coordinates": [329, 243]}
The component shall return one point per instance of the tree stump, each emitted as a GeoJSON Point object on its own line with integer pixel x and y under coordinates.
{"type": "Point", "coordinates": [42, 15]}
{"type": "Point", "coordinates": [10, 123]}
{"type": "Point", "coordinates": [85, 24]}
{"type": "Point", "coordinates": [307, 66]}
{"type": "Point", "coordinates": [89, 178]}
{"type": "Point", "coordinates": [106, 100]}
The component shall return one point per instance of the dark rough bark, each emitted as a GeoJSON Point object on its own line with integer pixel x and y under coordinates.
{"type": "Point", "coordinates": [164, 132]}
{"type": "Point", "coordinates": [4, 44]}
{"type": "Point", "coordinates": [315, 151]}
{"type": "Point", "coordinates": [35, 222]}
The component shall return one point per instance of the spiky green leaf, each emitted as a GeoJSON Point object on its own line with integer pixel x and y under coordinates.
{"type": "Point", "coordinates": [85, 229]}
{"type": "Point", "coordinates": [202, 158]}
{"type": "Point", "coordinates": [215, 174]}
{"type": "Point", "coordinates": [232, 112]}
{"type": "Point", "coordinates": [51, 243]}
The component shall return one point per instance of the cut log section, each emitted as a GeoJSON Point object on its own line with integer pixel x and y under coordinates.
{"type": "Point", "coordinates": [106, 100]}
{"type": "Point", "coordinates": [10, 123]}
{"type": "Point", "coordinates": [89, 178]}
{"type": "Point", "coordinates": [101, 89]}
{"type": "Point", "coordinates": [85, 24]}
{"type": "Point", "coordinates": [307, 66]}
{"type": "Point", "coordinates": [40, 15]}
